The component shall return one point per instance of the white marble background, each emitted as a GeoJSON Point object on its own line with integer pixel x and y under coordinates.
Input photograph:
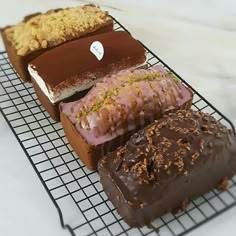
{"type": "Point", "coordinates": [197, 38]}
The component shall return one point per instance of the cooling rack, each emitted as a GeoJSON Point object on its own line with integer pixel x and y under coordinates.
{"type": "Point", "coordinates": [75, 191]}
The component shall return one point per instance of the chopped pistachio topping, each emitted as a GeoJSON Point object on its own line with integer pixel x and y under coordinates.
{"type": "Point", "coordinates": [127, 79]}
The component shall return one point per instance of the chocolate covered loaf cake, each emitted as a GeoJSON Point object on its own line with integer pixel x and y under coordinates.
{"type": "Point", "coordinates": [113, 109]}
{"type": "Point", "coordinates": [38, 33]}
{"type": "Point", "coordinates": [68, 71]}
{"type": "Point", "coordinates": [168, 163]}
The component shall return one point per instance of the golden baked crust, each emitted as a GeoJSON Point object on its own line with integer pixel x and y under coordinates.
{"type": "Point", "coordinates": [55, 27]}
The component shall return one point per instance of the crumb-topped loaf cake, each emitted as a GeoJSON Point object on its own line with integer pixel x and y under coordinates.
{"type": "Point", "coordinates": [39, 32]}
{"type": "Point", "coordinates": [68, 71]}
{"type": "Point", "coordinates": [114, 108]}
{"type": "Point", "coordinates": [166, 164]}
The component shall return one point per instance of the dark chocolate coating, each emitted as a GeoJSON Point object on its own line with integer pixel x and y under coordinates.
{"type": "Point", "coordinates": [174, 160]}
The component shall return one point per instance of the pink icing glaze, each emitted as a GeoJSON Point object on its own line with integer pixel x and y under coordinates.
{"type": "Point", "coordinates": [135, 104]}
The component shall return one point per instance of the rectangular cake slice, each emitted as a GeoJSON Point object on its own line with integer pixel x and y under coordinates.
{"type": "Point", "coordinates": [166, 164]}
{"type": "Point", "coordinates": [39, 32]}
{"type": "Point", "coordinates": [68, 71]}
{"type": "Point", "coordinates": [114, 108]}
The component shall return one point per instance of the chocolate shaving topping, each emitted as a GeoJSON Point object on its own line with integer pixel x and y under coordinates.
{"type": "Point", "coordinates": [141, 205]}
{"type": "Point", "coordinates": [210, 145]}
{"type": "Point", "coordinates": [195, 156]}
{"type": "Point", "coordinates": [181, 208]}
{"type": "Point", "coordinates": [209, 132]}
{"type": "Point", "coordinates": [196, 132]}
{"type": "Point", "coordinates": [204, 128]}
{"type": "Point", "coordinates": [179, 163]}
{"type": "Point", "coordinates": [202, 144]}
{"type": "Point", "coordinates": [170, 146]}
{"type": "Point", "coordinates": [129, 203]}
{"type": "Point", "coordinates": [205, 118]}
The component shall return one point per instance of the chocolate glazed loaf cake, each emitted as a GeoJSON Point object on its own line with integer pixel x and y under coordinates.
{"type": "Point", "coordinates": [168, 163]}
{"type": "Point", "coordinates": [113, 109]}
{"type": "Point", "coordinates": [68, 71]}
{"type": "Point", "coordinates": [38, 33]}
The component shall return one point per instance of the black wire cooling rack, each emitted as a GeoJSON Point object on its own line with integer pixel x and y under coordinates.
{"type": "Point", "coordinates": [75, 191]}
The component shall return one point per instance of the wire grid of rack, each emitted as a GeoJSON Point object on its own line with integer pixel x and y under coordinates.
{"type": "Point", "coordinates": [76, 192]}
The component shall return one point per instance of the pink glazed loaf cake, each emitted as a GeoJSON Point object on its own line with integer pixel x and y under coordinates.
{"type": "Point", "coordinates": [67, 72]}
{"type": "Point", "coordinates": [116, 107]}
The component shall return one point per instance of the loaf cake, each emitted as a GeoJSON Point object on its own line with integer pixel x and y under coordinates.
{"type": "Point", "coordinates": [38, 33]}
{"type": "Point", "coordinates": [113, 109]}
{"type": "Point", "coordinates": [68, 71]}
{"type": "Point", "coordinates": [166, 164]}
